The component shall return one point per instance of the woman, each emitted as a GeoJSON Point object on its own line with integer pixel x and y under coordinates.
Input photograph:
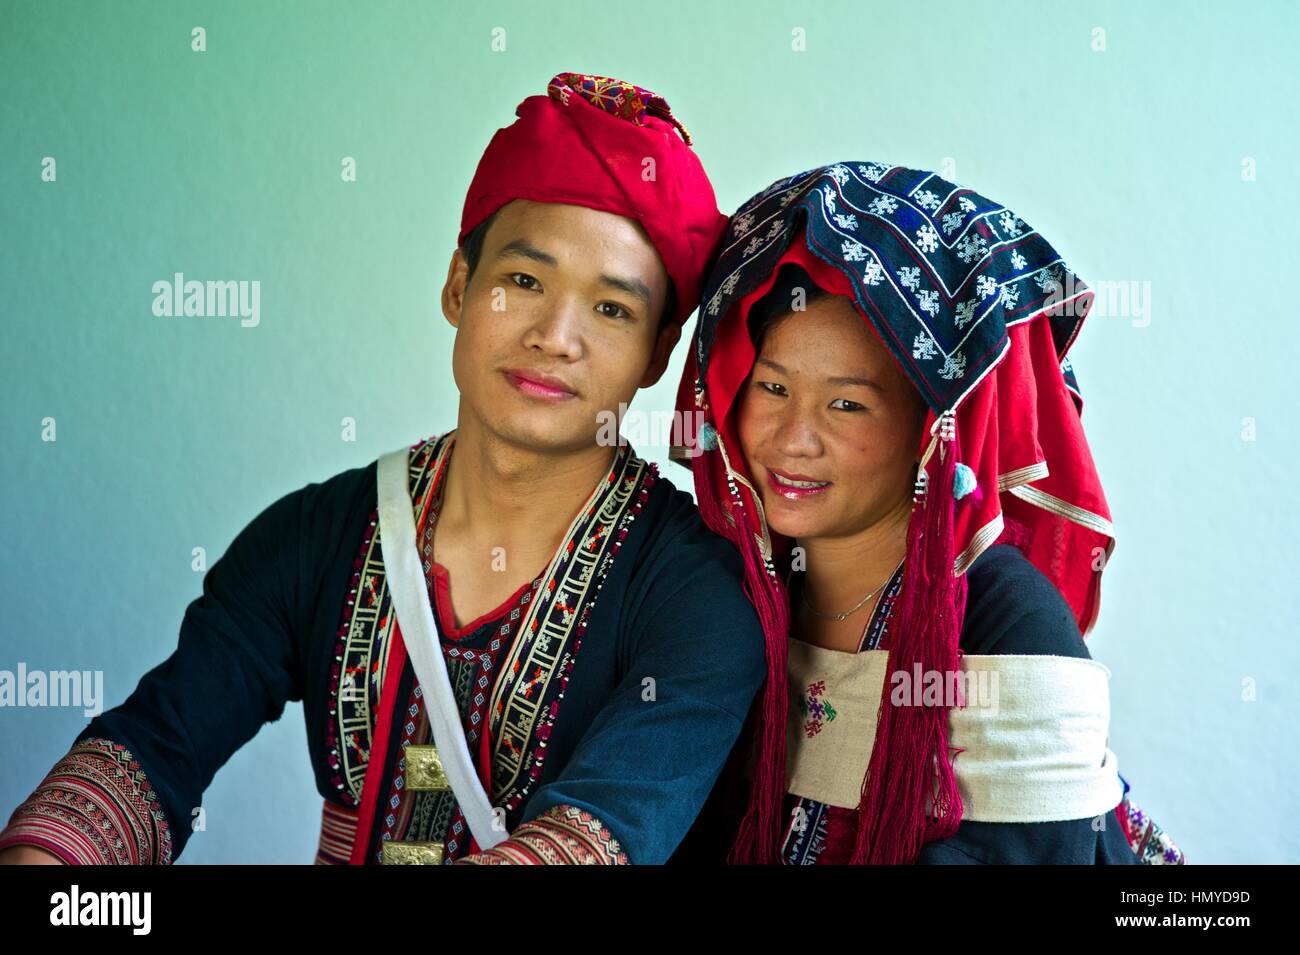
{"type": "Point", "coordinates": [892, 440]}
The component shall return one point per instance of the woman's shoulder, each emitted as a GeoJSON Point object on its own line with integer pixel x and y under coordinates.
{"type": "Point", "coordinates": [1011, 607]}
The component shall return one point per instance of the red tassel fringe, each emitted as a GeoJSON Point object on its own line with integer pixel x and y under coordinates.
{"type": "Point", "coordinates": [759, 836]}
{"type": "Point", "coordinates": [911, 747]}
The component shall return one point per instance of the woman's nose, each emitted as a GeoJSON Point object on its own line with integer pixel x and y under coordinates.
{"type": "Point", "coordinates": [795, 434]}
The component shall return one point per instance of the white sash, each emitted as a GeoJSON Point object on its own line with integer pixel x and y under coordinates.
{"type": "Point", "coordinates": [1035, 732]}
{"type": "Point", "coordinates": [410, 593]}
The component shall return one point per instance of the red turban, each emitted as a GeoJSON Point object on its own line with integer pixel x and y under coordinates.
{"type": "Point", "coordinates": [609, 145]}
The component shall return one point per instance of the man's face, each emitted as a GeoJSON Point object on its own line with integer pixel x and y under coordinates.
{"type": "Point", "coordinates": [559, 322]}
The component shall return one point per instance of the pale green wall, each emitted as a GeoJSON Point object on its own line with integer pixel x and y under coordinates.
{"type": "Point", "coordinates": [173, 433]}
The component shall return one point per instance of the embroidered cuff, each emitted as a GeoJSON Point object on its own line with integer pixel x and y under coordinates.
{"type": "Point", "coordinates": [562, 835]}
{"type": "Point", "coordinates": [1150, 842]}
{"type": "Point", "coordinates": [94, 808]}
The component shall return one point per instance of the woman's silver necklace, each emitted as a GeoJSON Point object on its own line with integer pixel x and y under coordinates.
{"type": "Point", "coordinates": [856, 607]}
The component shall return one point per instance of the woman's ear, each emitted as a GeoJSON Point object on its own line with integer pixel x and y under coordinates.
{"type": "Point", "coordinates": [922, 413]}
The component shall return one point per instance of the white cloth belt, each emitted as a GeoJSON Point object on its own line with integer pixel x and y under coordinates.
{"type": "Point", "coordinates": [1034, 730]}
{"type": "Point", "coordinates": [410, 593]}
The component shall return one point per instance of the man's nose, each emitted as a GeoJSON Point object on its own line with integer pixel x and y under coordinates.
{"type": "Point", "coordinates": [557, 329]}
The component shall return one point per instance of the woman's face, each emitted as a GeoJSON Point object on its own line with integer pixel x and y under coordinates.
{"type": "Point", "coordinates": [826, 404]}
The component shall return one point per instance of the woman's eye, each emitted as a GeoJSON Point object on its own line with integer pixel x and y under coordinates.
{"type": "Point", "coordinates": [523, 280]}
{"type": "Point", "coordinates": [853, 405]}
{"type": "Point", "coordinates": [613, 310]}
{"type": "Point", "coordinates": [771, 387]}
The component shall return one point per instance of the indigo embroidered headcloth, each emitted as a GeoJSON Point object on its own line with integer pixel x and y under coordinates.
{"type": "Point", "coordinates": [940, 271]}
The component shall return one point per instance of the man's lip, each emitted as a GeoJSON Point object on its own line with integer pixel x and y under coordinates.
{"type": "Point", "coordinates": [538, 378]}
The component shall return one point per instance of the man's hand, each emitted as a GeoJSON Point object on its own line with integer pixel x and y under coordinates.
{"type": "Point", "coordinates": [28, 855]}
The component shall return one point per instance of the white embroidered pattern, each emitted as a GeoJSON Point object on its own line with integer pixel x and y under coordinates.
{"type": "Point", "coordinates": [927, 238]}
{"type": "Point", "coordinates": [954, 367]}
{"type": "Point", "coordinates": [883, 205]}
{"type": "Point", "coordinates": [966, 312]}
{"type": "Point", "coordinates": [853, 251]}
{"type": "Point", "coordinates": [923, 346]}
{"type": "Point", "coordinates": [828, 198]}
{"type": "Point", "coordinates": [972, 247]}
{"type": "Point", "coordinates": [1048, 281]}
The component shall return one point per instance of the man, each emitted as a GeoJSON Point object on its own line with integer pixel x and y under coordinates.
{"type": "Point", "coordinates": [588, 655]}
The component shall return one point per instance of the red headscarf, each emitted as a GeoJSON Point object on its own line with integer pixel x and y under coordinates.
{"type": "Point", "coordinates": [608, 145]}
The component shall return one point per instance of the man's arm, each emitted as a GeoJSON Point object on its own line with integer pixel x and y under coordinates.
{"type": "Point", "coordinates": [645, 766]}
{"type": "Point", "coordinates": [125, 790]}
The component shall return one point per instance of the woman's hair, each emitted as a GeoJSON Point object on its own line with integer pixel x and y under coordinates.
{"type": "Point", "coordinates": [779, 301]}
{"type": "Point", "coordinates": [778, 304]}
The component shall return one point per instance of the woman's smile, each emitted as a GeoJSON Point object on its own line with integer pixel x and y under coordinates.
{"type": "Point", "coordinates": [794, 487]}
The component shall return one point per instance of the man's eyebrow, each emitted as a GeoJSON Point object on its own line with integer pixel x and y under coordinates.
{"type": "Point", "coordinates": [838, 380]}
{"type": "Point", "coordinates": [525, 249]}
{"type": "Point", "coordinates": [634, 287]}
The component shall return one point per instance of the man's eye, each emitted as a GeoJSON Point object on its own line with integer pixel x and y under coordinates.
{"type": "Point", "coordinates": [853, 405]}
{"type": "Point", "coordinates": [613, 310]}
{"type": "Point", "coordinates": [523, 280]}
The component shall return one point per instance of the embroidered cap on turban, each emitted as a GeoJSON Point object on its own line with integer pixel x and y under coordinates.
{"type": "Point", "coordinates": [608, 145]}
